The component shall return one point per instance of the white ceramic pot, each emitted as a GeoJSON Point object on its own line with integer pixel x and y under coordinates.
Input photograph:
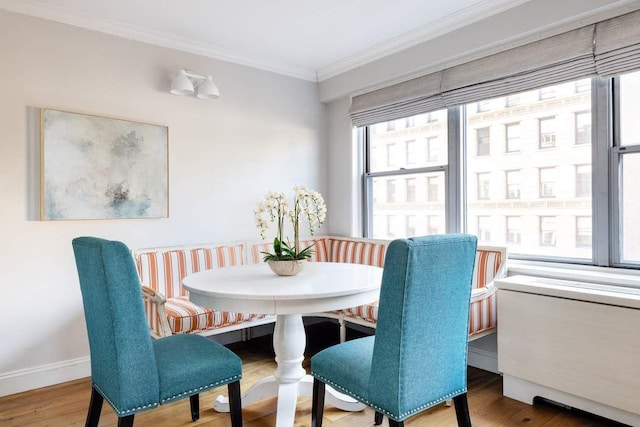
{"type": "Point", "coordinates": [287, 267]}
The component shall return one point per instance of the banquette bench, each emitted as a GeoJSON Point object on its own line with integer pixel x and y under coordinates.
{"type": "Point", "coordinates": [169, 310]}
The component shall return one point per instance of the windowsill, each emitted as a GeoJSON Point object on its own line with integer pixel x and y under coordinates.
{"type": "Point", "coordinates": [582, 273]}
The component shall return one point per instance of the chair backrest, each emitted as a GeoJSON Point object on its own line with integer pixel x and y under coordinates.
{"type": "Point", "coordinates": [420, 350]}
{"type": "Point", "coordinates": [123, 364]}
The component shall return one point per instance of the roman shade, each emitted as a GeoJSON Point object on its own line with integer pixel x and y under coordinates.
{"type": "Point", "coordinates": [607, 48]}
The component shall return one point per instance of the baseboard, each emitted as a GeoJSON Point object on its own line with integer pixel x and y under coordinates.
{"type": "Point", "coordinates": [44, 375]}
{"type": "Point", "coordinates": [483, 353]}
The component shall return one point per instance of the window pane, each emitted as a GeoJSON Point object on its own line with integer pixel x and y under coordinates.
{"type": "Point", "coordinates": [630, 109]}
{"type": "Point", "coordinates": [630, 206]}
{"type": "Point", "coordinates": [537, 191]}
{"type": "Point", "coordinates": [413, 142]}
{"type": "Point", "coordinates": [416, 208]}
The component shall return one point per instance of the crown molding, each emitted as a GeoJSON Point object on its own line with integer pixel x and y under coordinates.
{"type": "Point", "coordinates": [422, 34]}
{"type": "Point", "coordinates": [41, 9]}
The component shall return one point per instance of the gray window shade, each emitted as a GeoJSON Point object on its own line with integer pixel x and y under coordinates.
{"type": "Point", "coordinates": [607, 48]}
{"type": "Point", "coordinates": [617, 48]}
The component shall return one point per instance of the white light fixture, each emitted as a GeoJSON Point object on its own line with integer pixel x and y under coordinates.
{"type": "Point", "coordinates": [188, 83]}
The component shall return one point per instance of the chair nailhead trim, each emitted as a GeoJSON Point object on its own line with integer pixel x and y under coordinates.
{"type": "Point", "coordinates": [398, 417]}
{"type": "Point", "coordinates": [202, 388]}
{"type": "Point", "coordinates": [126, 411]}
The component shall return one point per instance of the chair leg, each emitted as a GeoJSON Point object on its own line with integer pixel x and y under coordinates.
{"type": "Point", "coordinates": [95, 407]}
{"type": "Point", "coordinates": [393, 423]}
{"type": "Point", "coordinates": [125, 421]}
{"type": "Point", "coordinates": [462, 410]}
{"type": "Point", "coordinates": [378, 418]}
{"type": "Point", "coordinates": [194, 400]}
{"type": "Point", "coordinates": [317, 403]}
{"type": "Point", "coordinates": [235, 404]}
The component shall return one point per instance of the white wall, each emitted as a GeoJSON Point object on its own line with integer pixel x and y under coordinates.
{"type": "Point", "coordinates": [266, 132]}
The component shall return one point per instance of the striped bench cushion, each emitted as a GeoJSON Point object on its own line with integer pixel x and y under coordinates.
{"type": "Point", "coordinates": [357, 252]}
{"type": "Point", "coordinates": [185, 316]}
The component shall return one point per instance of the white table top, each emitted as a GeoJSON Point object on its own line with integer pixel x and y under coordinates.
{"type": "Point", "coordinates": [321, 286]}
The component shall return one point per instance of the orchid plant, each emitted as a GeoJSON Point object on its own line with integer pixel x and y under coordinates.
{"type": "Point", "coordinates": [307, 204]}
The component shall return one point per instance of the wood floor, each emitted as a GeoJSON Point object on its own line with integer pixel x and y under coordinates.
{"type": "Point", "coordinates": [66, 404]}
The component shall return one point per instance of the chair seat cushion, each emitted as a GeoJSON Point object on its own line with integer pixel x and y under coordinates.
{"type": "Point", "coordinates": [190, 364]}
{"type": "Point", "coordinates": [351, 375]}
{"type": "Point", "coordinates": [185, 316]}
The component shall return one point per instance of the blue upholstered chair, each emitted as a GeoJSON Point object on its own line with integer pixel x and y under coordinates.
{"type": "Point", "coordinates": [130, 370]}
{"type": "Point", "coordinates": [418, 355]}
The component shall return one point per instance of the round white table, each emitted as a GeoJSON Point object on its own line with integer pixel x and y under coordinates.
{"type": "Point", "coordinates": [321, 286]}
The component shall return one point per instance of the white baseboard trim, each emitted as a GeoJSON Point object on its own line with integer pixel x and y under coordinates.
{"type": "Point", "coordinates": [44, 375]}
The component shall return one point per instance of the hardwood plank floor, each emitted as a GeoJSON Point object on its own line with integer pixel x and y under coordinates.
{"type": "Point", "coordinates": [66, 404]}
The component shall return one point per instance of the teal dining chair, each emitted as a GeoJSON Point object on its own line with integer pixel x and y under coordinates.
{"type": "Point", "coordinates": [130, 370]}
{"type": "Point", "coordinates": [418, 355]}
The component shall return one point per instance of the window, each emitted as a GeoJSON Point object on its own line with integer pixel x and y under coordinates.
{"type": "Point", "coordinates": [512, 179]}
{"type": "Point", "coordinates": [513, 230]}
{"type": "Point", "coordinates": [391, 125]}
{"type": "Point", "coordinates": [411, 152]}
{"type": "Point", "coordinates": [405, 178]}
{"type": "Point", "coordinates": [484, 229]}
{"type": "Point", "coordinates": [583, 180]}
{"type": "Point", "coordinates": [432, 117]}
{"type": "Point", "coordinates": [512, 100]}
{"type": "Point", "coordinates": [547, 178]}
{"type": "Point", "coordinates": [541, 196]}
{"type": "Point", "coordinates": [547, 231]}
{"type": "Point", "coordinates": [583, 85]}
{"type": "Point", "coordinates": [410, 189]}
{"type": "Point", "coordinates": [409, 122]}
{"type": "Point", "coordinates": [391, 190]}
{"type": "Point", "coordinates": [483, 185]}
{"type": "Point", "coordinates": [512, 134]}
{"type": "Point", "coordinates": [483, 106]}
{"type": "Point", "coordinates": [547, 128]}
{"type": "Point", "coordinates": [583, 128]}
{"type": "Point", "coordinates": [583, 231]}
{"type": "Point", "coordinates": [432, 188]}
{"type": "Point", "coordinates": [433, 149]}
{"type": "Point", "coordinates": [547, 93]}
{"type": "Point", "coordinates": [483, 142]}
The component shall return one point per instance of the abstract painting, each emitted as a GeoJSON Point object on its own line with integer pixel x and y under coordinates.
{"type": "Point", "coordinates": [102, 168]}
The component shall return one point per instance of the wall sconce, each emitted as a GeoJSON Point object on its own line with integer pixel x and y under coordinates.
{"type": "Point", "coordinates": [188, 83]}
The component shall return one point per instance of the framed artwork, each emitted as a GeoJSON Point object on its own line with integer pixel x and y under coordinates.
{"type": "Point", "coordinates": [102, 168]}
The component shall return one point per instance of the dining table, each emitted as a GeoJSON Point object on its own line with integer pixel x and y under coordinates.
{"type": "Point", "coordinates": [319, 287]}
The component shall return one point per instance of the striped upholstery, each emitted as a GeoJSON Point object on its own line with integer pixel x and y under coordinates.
{"type": "Point", "coordinates": [369, 252]}
{"type": "Point", "coordinates": [162, 270]}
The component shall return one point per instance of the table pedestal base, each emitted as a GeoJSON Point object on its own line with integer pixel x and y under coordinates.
{"type": "Point", "coordinates": [289, 381]}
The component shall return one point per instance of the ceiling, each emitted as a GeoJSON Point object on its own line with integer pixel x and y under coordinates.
{"type": "Point", "coordinates": [309, 40]}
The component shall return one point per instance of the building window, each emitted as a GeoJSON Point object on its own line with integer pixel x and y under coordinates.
{"type": "Point", "coordinates": [410, 189]}
{"type": "Point", "coordinates": [547, 179]}
{"type": "Point", "coordinates": [432, 189]}
{"type": "Point", "coordinates": [411, 151]}
{"type": "Point", "coordinates": [512, 100]}
{"type": "Point", "coordinates": [391, 190]}
{"type": "Point", "coordinates": [547, 128]}
{"type": "Point", "coordinates": [409, 122]}
{"type": "Point", "coordinates": [547, 231]}
{"type": "Point", "coordinates": [483, 106]}
{"type": "Point", "coordinates": [484, 229]}
{"type": "Point", "coordinates": [583, 231]}
{"type": "Point", "coordinates": [391, 125]}
{"type": "Point", "coordinates": [547, 93]}
{"type": "Point", "coordinates": [583, 128]}
{"type": "Point", "coordinates": [393, 226]}
{"type": "Point", "coordinates": [583, 85]}
{"type": "Point", "coordinates": [483, 185]}
{"type": "Point", "coordinates": [513, 230]}
{"type": "Point", "coordinates": [512, 179]}
{"type": "Point", "coordinates": [432, 117]}
{"type": "Point", "coordinates": [512, 134]}
{"type": "Point", "coordinates": [434, 224]}
{"type": "Point", "coordinates": [583, 180]}
{"type": "Point", "coordinates": [411, 225]}
{"type": "Point", "coordinates": [483, 141]}
{"type": "Point", "coordinates": [392, 155]}
{"type": "Point", "coordinates": [433, 149]}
